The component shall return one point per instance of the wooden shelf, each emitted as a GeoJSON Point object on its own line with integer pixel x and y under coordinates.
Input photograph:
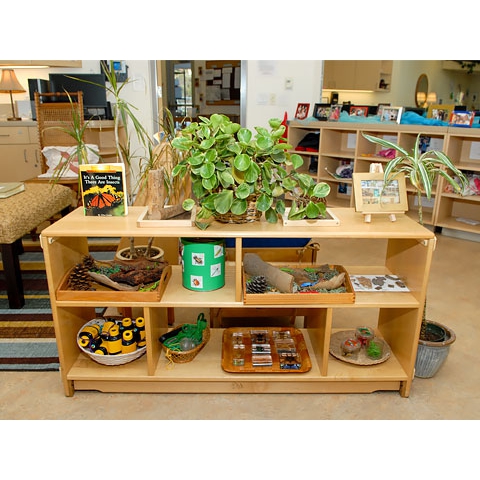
{"type": "Point", "coordinates": [409, 249]}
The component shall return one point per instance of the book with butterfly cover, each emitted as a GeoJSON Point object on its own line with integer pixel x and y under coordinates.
{"type": "Point", "coordinates": [103, 189]}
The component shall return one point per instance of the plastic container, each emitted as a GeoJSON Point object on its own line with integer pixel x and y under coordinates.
{"type": "Point", "coordinates": [203, 262]}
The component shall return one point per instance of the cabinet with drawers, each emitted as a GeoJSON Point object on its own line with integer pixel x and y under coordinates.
{"type": "Point", "coordinates": [20, 157]}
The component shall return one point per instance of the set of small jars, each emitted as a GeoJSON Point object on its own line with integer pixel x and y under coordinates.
{"type": "Point", "coordinates": [364, 339]}
{"type": "Point", "coordinates": [113, 337]}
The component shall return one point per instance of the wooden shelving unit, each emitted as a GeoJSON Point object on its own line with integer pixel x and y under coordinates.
{"type": "Point", "coordinates": [341, 143]}
{"type": "Point", "coordinates": [409, 250]}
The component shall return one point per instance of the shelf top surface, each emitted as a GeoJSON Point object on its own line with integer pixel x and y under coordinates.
{"type": "Point", "coordinates": [352, 224]}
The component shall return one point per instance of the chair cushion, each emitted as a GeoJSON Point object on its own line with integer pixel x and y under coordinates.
{"type": "Point", "coordinates": [57, 158]}
{"type": "Point", "coordinates": [24, 211]}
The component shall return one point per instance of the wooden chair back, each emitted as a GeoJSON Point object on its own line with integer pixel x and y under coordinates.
{"type": "Point", "coordinates": [54, 117]}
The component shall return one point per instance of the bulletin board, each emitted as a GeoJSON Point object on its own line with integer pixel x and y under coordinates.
{"type": "Point", "coordinates": [222, 82]}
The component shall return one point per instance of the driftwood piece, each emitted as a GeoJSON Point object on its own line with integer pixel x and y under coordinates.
{"type": "Point", "coordinates": [170, 212]}
{"type": "Point", "coordinates": [156, 193]}
{"type": "Point", "coordinates": [103, 279]}
{"type": "Point", "coordinates": [334, 282]}
{"type": "Point", "coordinates": [279, 279]}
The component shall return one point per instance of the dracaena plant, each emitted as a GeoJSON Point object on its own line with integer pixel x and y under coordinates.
{"type": "Point", "coordinates": [230, 166]}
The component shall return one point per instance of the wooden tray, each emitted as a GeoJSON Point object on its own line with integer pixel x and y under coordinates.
{"type": "Point", "coordinates": [187, 219]}
{"type": "Point", "coordinates": [301, 298]}
{"type": "Point", "coordinates": [104, 293]}
{"type": "Point", "coordinates": [330, 221]}
{"type": "Point", "coordinates": [296, 334]}
{"type": "Point", "coordinates": [362, 358]}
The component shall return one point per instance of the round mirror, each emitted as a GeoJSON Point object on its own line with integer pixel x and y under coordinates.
{"type": "Point", "coordinates": [421, 90]}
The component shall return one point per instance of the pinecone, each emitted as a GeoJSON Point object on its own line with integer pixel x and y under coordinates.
{"type": "Point", "coordinates": [257, 284]}
{"type": "Point", "coordinates": [89, 262]}
{"type": "Point", "coordinates": [79, 278]}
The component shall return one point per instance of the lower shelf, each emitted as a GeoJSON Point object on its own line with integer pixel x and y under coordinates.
{"type": "Point", "coordinates": [205, 375]}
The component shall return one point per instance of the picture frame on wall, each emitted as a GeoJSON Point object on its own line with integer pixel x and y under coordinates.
{"type": "Point", "coordinates": [461, 119]}
{"type": "Point", "coordinates": [389, 114]}
{"type": "Point", "coordinates": [440, 112]}
{"type": "Point", "coordinates": [302, 111]}
{"type": "Point", "coordinates": [373, 196]}
{"type": "Point", "coordinates": [321, 111]}
{"type": "Point", "coordinates": [358, 111]}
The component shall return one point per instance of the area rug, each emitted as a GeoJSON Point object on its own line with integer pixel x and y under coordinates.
{"type": "Point", "coordinates": [27, 336]}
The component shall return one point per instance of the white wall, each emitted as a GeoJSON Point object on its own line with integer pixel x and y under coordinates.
{"type": "Point", "coordinates": [266, 95]}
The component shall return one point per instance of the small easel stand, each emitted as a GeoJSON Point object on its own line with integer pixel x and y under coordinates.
{"type": "Point", "coordinates": [378, 168]}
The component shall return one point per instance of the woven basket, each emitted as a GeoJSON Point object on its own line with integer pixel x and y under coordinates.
{"type": "Point", "coordinates": [189, 355]}
{"type": "Point", "coordinates": [250, 215]}
{"type": "Point", "coordinates": [112, 360]}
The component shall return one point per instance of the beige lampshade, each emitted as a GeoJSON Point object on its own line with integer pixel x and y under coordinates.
{"type": "Point", "coordinates": [9, 82]}
{"type": "Point", "coordinates": [432, 97]}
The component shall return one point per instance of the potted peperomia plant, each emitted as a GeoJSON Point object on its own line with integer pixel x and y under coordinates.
{"type": "Point", "coordinates": [422, 170]}
{"type": "Point", "coordinates": [237, 175]}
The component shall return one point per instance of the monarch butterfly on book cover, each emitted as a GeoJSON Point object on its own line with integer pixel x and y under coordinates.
{"type": "Point", "coordinates": [103, 189]}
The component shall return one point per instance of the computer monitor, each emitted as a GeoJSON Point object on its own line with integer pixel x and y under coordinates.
{"type": "Point", "coordinates": [91, 84]}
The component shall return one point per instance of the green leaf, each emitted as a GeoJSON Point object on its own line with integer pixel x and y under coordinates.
{"type": "Point", "coordinates": [264, 143]}
{"type": "Point", "coordinates": [207, 143]}
{"type": "Point", "coordinates": [264, 202]}
{"type": "Point", "coordinates": [210, 183]}
{"type": "Point", "coordinates": [243, 191]}
{"type": "Point", "coordinates": [244, 135]}
{"type": "Point", "coordinates": [239, 206]}
{"type": "Point", "coordinates": [188, 204]}
{"type": "Point", "coordinates": [271, 216]}
{"type": "Point", "coordinates": [207, 170]}
{"type": "Point", "coordinates": [321, 190]}
{"type": "Point", "coordinates": [297, 161]}
{"type": "Point", "coordinates": [312, 210]}
{"type": "Point", "coordinates": [242, 162]}
{"type": "Point", "coordinates": [226, 178]}
{"type": "Point", "coordinates": [223, 201]}
{"type": "Point", "coordinates": [251, 175]}
{"type": "Point", "coordinates": [385, 143]}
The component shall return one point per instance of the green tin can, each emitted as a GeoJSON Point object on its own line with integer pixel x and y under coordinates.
{"type": "Point", "coordinates": [203, 263]}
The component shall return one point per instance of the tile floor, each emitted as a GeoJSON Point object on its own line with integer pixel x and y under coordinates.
{"type": "Point", "coordinates": [454, 393]}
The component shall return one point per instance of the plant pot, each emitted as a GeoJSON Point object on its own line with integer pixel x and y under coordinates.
{"type": "Point", "coordinates": [156, 253]}
{"type": "Point", "coordinates": [431, 355]}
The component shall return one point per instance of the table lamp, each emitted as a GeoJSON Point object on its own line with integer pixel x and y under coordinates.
{"type": "Point", "coordinates": [10, 84]}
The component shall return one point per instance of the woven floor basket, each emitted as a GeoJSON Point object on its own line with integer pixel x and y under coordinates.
{"type": "Point", "coordinates": [189, 355]}
{"type": "Point", "coordinates": [250, 215]}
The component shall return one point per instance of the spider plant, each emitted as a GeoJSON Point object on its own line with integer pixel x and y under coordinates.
{"type": "Point", "coordinates": [421, 169]}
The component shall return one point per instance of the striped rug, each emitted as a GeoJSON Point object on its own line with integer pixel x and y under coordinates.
{"type": "Point", "coordinates": [27, 337]}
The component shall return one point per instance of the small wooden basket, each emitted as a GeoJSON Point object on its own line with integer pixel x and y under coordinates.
{"type": "Point", "coordinates": [250, 215]}
{"type": "Point", "coordinates": [187, 356]}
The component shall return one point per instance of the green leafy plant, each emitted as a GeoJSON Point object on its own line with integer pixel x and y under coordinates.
{"type": "Point", "coordinates": [422, 170]}
{"type": "Point", "coordinates": [231, 167]}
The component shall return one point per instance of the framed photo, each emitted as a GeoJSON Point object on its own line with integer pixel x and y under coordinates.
{"type": "Point", "coordinates": [390, 114]}
{"type": "Point", "coordinates": [335, 111]}
{"type": "Point", "coordinates": [302, 111]}
{"type": "Point", "coordinates": [461, 119]}
{"type": "Point", "coordinates": [373, 196]}
{"type": "Point", "coordinates": [440, 112]}
{"type": "Point", "coordinates": [321, 111]}
{"type": "Point", "coordinates": [358, 111]}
